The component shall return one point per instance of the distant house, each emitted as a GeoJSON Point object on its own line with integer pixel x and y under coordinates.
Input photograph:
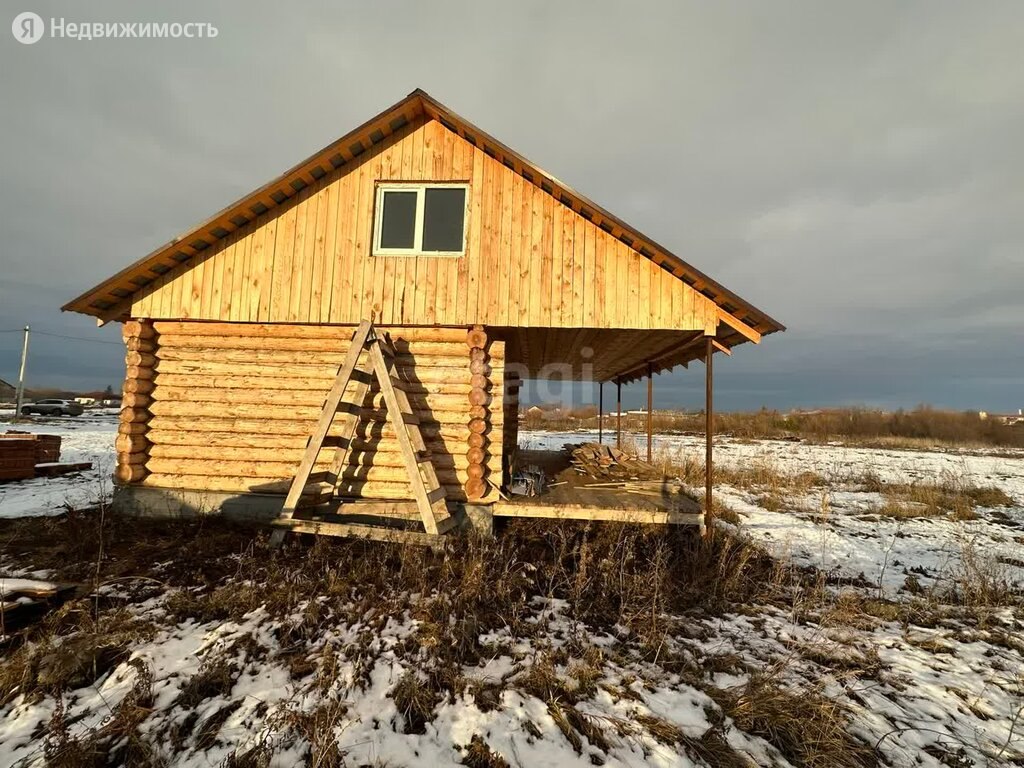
{"type": "Point", "coordinates": [1005, 418]}
{"type": "Point", "coordinates": [534, 412]}
{"type": "Point", "coordinates": [83, 400]}
{"type": "Point", "coordinates": [7, 391]}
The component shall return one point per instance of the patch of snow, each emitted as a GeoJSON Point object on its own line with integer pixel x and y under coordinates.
{"type": "Point", "coordinates": [89, 437]}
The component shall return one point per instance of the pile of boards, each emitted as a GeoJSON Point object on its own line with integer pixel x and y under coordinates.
{"type": "Point", "coordinates": [24, 455]}
{"type": "Point", "coordinates": [23, 600]}
{"type": "Point", "coordinates": [605, 461]}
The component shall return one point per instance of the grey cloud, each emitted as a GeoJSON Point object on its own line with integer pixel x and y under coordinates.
{"type": "Point", "coordinates": [853, 169]}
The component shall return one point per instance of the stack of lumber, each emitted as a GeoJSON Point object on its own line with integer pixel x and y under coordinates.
{"type": "Point", "coordinates": [23, 599]}
{"type": "Point", "coordinates": [17, 457]}
{"type": "Point", "coordinates": [598, 461]}
{"type": "Point", "coordinates": [24, 455]}
{"type": "Point", "coordinates": [47, 448]}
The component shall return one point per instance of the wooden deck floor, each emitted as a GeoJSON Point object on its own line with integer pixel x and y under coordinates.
{"type": "Point", "coordinates": [573, 497]}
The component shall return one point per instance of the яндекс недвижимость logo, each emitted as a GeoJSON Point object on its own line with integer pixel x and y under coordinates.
{"type": "Point", "coordinates": [28, 27]}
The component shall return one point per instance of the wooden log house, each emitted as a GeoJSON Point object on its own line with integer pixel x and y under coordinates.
{"type": "Point", "coordinates": [482, 269]}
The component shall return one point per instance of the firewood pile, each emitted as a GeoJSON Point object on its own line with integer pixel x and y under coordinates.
{"type": "Point", "coordinates": [605, 461]}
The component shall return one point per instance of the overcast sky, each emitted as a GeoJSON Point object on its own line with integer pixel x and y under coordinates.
{"type": "Point", "coordinates": [856, 170]}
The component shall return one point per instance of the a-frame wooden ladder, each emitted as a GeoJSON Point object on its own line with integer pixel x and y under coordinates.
{"type": "Point", "coordinates": [355, 379]}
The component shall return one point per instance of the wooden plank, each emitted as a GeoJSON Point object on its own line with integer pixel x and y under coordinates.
{"type": "Point", "coordinates": [397, 412]}
{"type": "Point", "coordinates": [546, 258]}
{"type": "Point", "coordinates": [601, 514]}
{"type": "Point", "coordinates": [361, 531]}
{"type": "Point", "coordinates": [326, 418]}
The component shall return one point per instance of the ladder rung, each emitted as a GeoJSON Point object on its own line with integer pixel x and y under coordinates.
{"type": "Point", "coordinates": [397, 383]}
{"type": "Point", "coordinates": [445, 525]}
{"type": "Point", "coordinates": [321, 477]}
{"type": "Point", "coordinates": [424, 457]}
{"type": "Point", "coordinates": [411, 418]}
{"type": "Point", "coordinates": [362, 376]}
{"type": "Point", "coordinates": [435, 496]}
{"type": "Point", "coordinates": [336, 441]}
{"type": "Point", "coordinates": [350, 408]}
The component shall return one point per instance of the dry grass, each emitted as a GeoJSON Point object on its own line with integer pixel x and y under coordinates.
{"type": "Point", "coordinates": [809, 729]}
{"type": "Point", "coordinates": [119, 741]}
{"type": "Point", "coordinates": [611, 576]}
{"type": "Point", "coordinates": [951, 495]}
{"type": "Point", "coordinates": [922, 427]}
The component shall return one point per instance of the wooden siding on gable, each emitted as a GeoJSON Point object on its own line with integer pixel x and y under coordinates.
{"type": "Point", "coordinates": [530, 261]}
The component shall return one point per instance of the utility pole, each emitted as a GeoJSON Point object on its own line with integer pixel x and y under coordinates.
{"type": "Point", "coordinates": [21, 376]}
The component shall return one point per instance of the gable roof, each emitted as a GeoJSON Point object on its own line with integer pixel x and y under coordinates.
{"type": "Point", "coordinates": [108, 300]}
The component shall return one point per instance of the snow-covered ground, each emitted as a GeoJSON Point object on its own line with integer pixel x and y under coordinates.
{"type": "Point", "coordinates": [833, 527]}
{"type": "Point", "coordinates": [942, 687]}
{"type": "Point", "coordinates": [89, 437]}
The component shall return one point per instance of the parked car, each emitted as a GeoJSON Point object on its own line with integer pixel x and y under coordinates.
{"type": "Point", "coordinates": [53, 408]}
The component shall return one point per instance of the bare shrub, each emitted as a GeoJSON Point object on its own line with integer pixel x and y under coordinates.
{"type": "Point", "coordinates": [920, 427]}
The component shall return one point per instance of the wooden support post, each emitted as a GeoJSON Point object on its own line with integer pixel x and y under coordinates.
{"type": "Point", "coordinates": [618, 417]}
{"type": "Point", "coordinates": [600, 413]}
{"type": "Point", "coordinates": [709, 425]}
{"type": "Point", "coordinates": [650, 416]}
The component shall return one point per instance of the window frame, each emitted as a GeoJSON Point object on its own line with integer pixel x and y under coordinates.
{"type": "Point", "coordinates": [420, 188]}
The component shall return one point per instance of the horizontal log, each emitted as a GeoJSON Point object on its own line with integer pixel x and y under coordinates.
{"type": "Point", "coordinates": [296, 331]}
{"type": "Point", "coordinates": [128, 428]}
{"type": "Point", "coordinates": [303, 427]}
{"type": "Point", "coordinates": [142, 359]}
{"type": "Point", "coordinates": [135, 344]}
{"type": "Point", "coordinates": [135, 400]}
{"type": "Point", "coordinates": [277, 470]}
{"type": "Point", "coordinates": [330, 358]}
{"type": "Point", "coordinates": [219, 388]}
{"type": "Point", "coordinates": [131, 444]}
{"type": "Point", "coordinates": [134, 416]}
{"type": "Point", "coordinates": [260, 485]}
{"type": "Point", "coordinates": [140, 386]}
{"type": "Point", "coordinates": [358, 457]}
{"type": "Point", "coordinates": [288, 412]}
{"type": "Point", "coordinates": [139, 372]}
{"type": "Point", "coordinates": [313, 398]}
{"type": "Point", "coordinates": [203, 344]}
{"type": "Point", "coordinates": [445, 440]}
{"type": "Point", "coordinates": [475, 489]}
{"type": "Point", "coordinates": [139, 458]}
{"type": "Point", "coordinates": [128, 473]}
{"type": "Point", "coordinates": [314, 372]}
{"type": "Point", "coordinates": [137, 328]}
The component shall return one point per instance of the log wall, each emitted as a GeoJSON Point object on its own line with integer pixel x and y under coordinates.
{"type": "Point", "coordinates": [230, 406]}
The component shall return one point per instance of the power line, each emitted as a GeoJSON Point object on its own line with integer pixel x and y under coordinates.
{"type": "Point", "coordinates": [62, 336]}
{"type": "Point", "coordinates": [76, 338]}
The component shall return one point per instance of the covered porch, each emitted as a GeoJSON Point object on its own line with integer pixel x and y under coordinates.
{"type": "Point", "coordinates": [613, 357]}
